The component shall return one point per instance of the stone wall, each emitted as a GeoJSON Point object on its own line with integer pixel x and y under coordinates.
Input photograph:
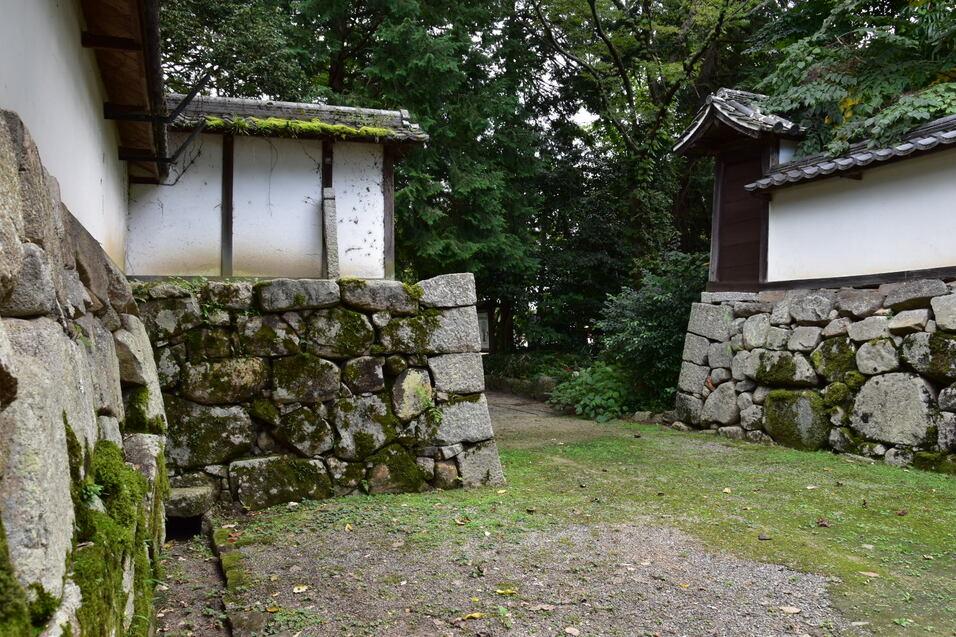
{"type": "Point", "coordinates": [81, 480]}
{"type": "Point", "coordinates": [862, 371]}
{"type": "Point", "coordinates": [278, 390]}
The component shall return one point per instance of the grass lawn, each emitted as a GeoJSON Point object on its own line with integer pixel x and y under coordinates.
{"type": "Point", "coordinates": [886, 536]}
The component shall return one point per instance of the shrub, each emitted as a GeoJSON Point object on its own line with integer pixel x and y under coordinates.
{"type": "Point", "coordinates": [529, 364]}
{"type": "Point", "coordinates": [601, 392]}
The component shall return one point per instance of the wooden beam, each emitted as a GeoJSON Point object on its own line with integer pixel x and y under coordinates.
{"type": "Point", "coordinates": [228, 148]}
{"type": "Point", "coordinates": [109, 42]}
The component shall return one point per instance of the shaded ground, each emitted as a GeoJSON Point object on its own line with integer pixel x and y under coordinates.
{"type": "Point", "coordinates": [189, 600]}
{"type": "Point", "coordinates": [615, 529]}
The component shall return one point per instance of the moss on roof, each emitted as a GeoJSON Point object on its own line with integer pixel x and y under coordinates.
{"type": "Point", "coordinates": [280, 127]}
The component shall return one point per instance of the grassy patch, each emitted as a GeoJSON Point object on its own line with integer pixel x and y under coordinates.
{"type": "Point", "coordinates": [856, 518]}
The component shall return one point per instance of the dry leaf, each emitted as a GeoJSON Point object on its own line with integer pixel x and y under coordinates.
{"type": "Point", "coordinates": [348, 526]}
{"type": "Point", "coordinates": [461, 521]}
{"type": "Point", "coordinates": [869, 574]}
{"type": "Point", "coordinates": [273, 609]}
{"type": "Point", "coordinates": [727, 490]}
{"type": "Point", "coordinates": [300, 588]}
{"type": "Point", "coordinates": [501, 491]}
{"type": "Point", "coordinates": [823, 522]}
{"type": "Point", "coordinates": [902, 512]}
{"type": "Point", "coordinates": [505, 591]}
{"type": "Point", "coordinates": [574, 632]}
{"type": "Point", "coordinates": [684, 585]}
{"type": "Point", "coordinates": [790, 610]}
{"type": "Point", "coordinates": [474, 616]}
{"type": "Point", "coordinates": [811, 487]}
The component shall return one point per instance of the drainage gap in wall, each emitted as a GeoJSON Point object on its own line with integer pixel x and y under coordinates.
{"type": "Point", "coordinates": [183, 528]}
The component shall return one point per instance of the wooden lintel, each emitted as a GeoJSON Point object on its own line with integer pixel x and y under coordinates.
{"type": "Point", "coordinates": [109, 42]}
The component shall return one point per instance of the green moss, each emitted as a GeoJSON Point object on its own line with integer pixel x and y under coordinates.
{"type": "Point", "coordinates": [939, 462]}
{"type": "Point", "coordinates": [14, 610]}
{"type": "Point", "coordinates": [265, 410]}
{"type": "Point", "coordinates": [834, 358]}
{"type": "Point", "coordinates": [412, 334]}
{"type": "Point", "coordinates": [797, 419]}
{"type": "Point", "coordinates": [414, 290]}
{"type": "Point", "coordinates": [280, 127]}
{"type": "Point", "coordinates": [942, 357]}
{"type": "Point", "coordinates": [404, 474]}
{"type": "Point", "coordinates": [137, 414]}
{"type": "Point", "coordinates": [854, 380]}
{"type": "Point", "coordinates": [836, 394]}
{"type": "Point", "coordinates": [344, 333]}
{"type": "Point", "coordinates": [779, 371]}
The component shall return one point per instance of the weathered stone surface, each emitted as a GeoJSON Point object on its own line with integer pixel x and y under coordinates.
{"type": "Point", "coordinates": [35, 503]}
{"type": "Point", "coordinates": [200, 435]}
{"type": "Point", "coordinates": [109, 428]}
{"type": "Point", "coordinates": [778, 337]}
{"type": "Point", "coordinates": [695, 349]}
{"type": "Point", "coordinates": [751, 418]}
{"type": "Point", "coordinates": [946, 431]}
{"type": "Point", "coordinates": [877, 357]}
{"type": "Point", "coordinates": [229, 380]}
{"type": "Point", "coordinates": [306, 431]}
{"type": "Point", "coordinates": [721, 406]}
{"type": "Point", "coordinates": [364, 375]}
{"type": "Point", "coordinates": [859, 303]}
{"type": "Point", "coordinates": [11, 218]}
{"type": "Point", "coordinates": [745, 386]}
{"type": "Point", "coordinates": [449, 290]}
{"type": "Point", "coordinates": [395, 365]}
{"type": "Point", "coordinates": [340, 333]}
{"type": "Point", "coordinates": [688, 408]}
{"type": "Point", "coordinates": [742, 367]}
{"type": "Point", "coordinates": [346, 476]}
{"type": "Point", "coordinates": [394, 470]}
{"type": "Point", "coordinates": [869, 328]}
{"type": "Point", "coordinates": [804, 338]}
{"type": "Point", "coordinates": [102, 278]}
{"type": "Point", "coordinates": [464, 421]}
{"type": "Point", "coordinates": [720, 355]}
{"type": "Point", "coordinates": [755, 331]}
{"type": "Point", "coordinates": [749, 308]}
{"type": "Point", "coordinates": [783, 369]}
{"type": "Point", "coordinates": [229, 295]}
{"type": "Point", "coordinates": [710, 321]}
{"type": "Point", "coordinates": [719, 375]}
{"type": "Point", "coordinates": [280, 295]}
{"type": "Point", "coordinates": [898, 457]}
{"type": "Point", "coordinates": [692, 378]}
{"type": "Point", "coordinates": [450, 331]}
{"type": "Point", "coordinates": [894, 408]}
{"type": "Point", "coordinates": [797, 419]}
{"type": "Point", "coordinates": [266, 335]}
{"type": "Point", "coordinates": [446, 475]}
{"type": "Point", "coordinates": [932, 355]}
{"type": "Point", "coordinates": [479, 465]}
{"type": "Point", "coordinates": [100, 360]}
{"type": "Point", "coordinates": [210, 343]}
{"type": "Point", "coordinates": [909, 321]}
{"type": "Point", "coordinates": [411, 394]}
{"type": "Point", "coordinates": [812, 308]}
{"type": "Point", "coordinates": [364, 424]}
{"type": "Point", "coordinates": [834, 358]}
{"type": "Point", "coordinates": [34, 291]}
{"type": "Point", "coordinates": [914, 294]}
{"type": "Point", "coordinates": [190, 502]}
{"type": "Point", "coordinates": [457, 373]}
{"type": "Point", "coordinates": [263, 482]}
{"type": "Point", "coordinates": [135, 354]}
{"type": "Point", "coordinates": [947, 399]}
{"type": "Point", "coordinates": [165, 318]}
{"type": "Point", "coordinates": [727, 297]}
{"type": "Point", "coordinates": [732, 432]}
{"type": "Point", "coordinates": [143, 452]}
{"type": "Point", "coordinates": [304, 378]}
{"type": "Point", "coordinates": [944, 311]}
{"type": "Point", "coordinates": [168, 365]}
{"type": "Point", "coordinates": [427, 465]}
{"type": "Point", "coordinates": [378, 296]}
{"type": "Point", "coordinates": [744, 401]}
{"type": "Point", "coordinates": [836, 327]}
{"type": "Point", "coordinates": [781, 309]}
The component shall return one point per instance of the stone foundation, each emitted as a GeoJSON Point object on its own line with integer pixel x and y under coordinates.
{"type": "Point", "coordinates": [278, 390]}
{"type": "Point", "coordinates": [863, 371]}
{"type": "Point", "coordinates": [82, 476]}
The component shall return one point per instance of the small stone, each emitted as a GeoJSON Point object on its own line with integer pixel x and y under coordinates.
{"type": "Point", "coordinates": [280, 295]}
{"type": "Point", "coordinates": [751, 418]}
{"type": "Point", "coordinates": [688, 408]}
{"type": "Point", "coordinates": [877, 357]}
{"type": "Point", "coordinates": [744, 401]}
{"type": "Point", "coordinates": [859, 303]}
{"type": "Point", "coordinates": [733, 432]}
{"type": "Point", "coordinates": [189, 502]}
{"type": "Point", "coordinates": [411, 394]}
{"type": "Point", "coordinates": [395, 365]}
{"type": "Point", "coordinates": [446, 475]}
{"type": "Point", "coordinates": [755, 331]}
{"type": "Point", "coordinates": [229, 295]}
{"type": "Point", "coordinates": [742, 367]}
{"type": "Point", "coordinates": [710, 321]}
{"type": "Point", "coordinates": [229, 380]}
{"type": "Point", "coordinates": [797, 419]}
{"type": "Point", "coordinates": [914, 294]}
{"type": "Point", "coordinates": [778, 337]}
{"type": "Point", "coordinates": [381, 319]}
{"type": "Point", "coordinates": [719, 375]}
{"type": "Point", "coordinates": [909, 321]}
{"type": "Point", "coordinates": [427, 466]}
{"type": "Point", "coordinates": [760, 394]}
{"type": "Point", "coordinates": [812, 308]}
{"type": "Point", "coordinates": [692, 378]}
{"type": "Point", "coordinates": [449, 290]}
{"type": "Point", "coordinates": [869, 329]}
{"type": "Point", "coordinates": [263, 482]}
{"type": "Point", "coordinates": [695, 349]}
{"type": "Point", "coordinates": [745, 386]}
{"type": "Point", "coordinates": [804, 338]}
{"type": "Point", "coordinates": [364, 375]}
{"type": "Point", "coordinates": [364, 424]}
{"type": "Point", "coordinates": [836, 327]}
{"type": "Point", "coordinates": [944, 311]}
{"type": "Point", "coordinates": [759, 437]}
{"type": "Point", "coordinates": [898, 457]}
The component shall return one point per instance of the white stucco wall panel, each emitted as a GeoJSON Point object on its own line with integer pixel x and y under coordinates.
{"type": "Point", "coordinates": [177, 229]}
{"type": "Point", "coordinates": [53, 84]}
{"type": "Point", "coordinates": [277, 207]}
{"type": "Point", "coordinates": [360, 209]}
{"type": "Point", "coordinates": [900, 216]}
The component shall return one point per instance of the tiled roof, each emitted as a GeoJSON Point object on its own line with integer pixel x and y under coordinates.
{"type": "Point", "coordinates": [350, 122]}
{"type": "Point", "coordinates": [940, 132]}
{"type": "Point", "coordinates": [740, 110]}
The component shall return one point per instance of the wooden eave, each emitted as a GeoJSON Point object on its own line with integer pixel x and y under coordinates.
{"type": "Point", "coordinates": [124, 35]}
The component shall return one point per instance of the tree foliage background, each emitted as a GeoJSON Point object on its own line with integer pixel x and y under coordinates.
{"type": "Point", "coordinates": [549, 172]}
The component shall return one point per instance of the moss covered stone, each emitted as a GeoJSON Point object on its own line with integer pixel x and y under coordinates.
{"type": "Point", "coordinates": [282, 127]}
{"type": "Point", "coordinates": [264, 482]}
{"type": "Point", "coordinates": [142, 415]}
{"type": "Point", "coordinates": [782, 369]}
{"type": "Point", "coordinates": [14, 610]}
{"type": "Point", "coordinates": [932, 355]}
{"type": "Point", "coordinates": [207, 343]}
{"type": "Point", "coordinates": [265, 411]}
{"type": "Point", "coordinates": [340, 333]}
{"type": "Point", "coordinates": [834, 358]}
{"type": "Point", "coordinates": [394, 470]}
{"type": "Point", "coordinates": [364, 424]}
{"type": "Point", "coordinates": [306, 431]}
{"type": "Point", "coordinates": [267, 335]}
{"type": "Point", "coordinates": [379, 296]}
{"type": "Point", "coordinates": [305, 378]}
{"type": "Point", "coordinates": [230, 380]}
{"type": "Point", "coordinates": [836, 395]}
{"type": "Point", "coordinates": [201, 435]}
{"type": "Point", "coordinates": [797, 419]}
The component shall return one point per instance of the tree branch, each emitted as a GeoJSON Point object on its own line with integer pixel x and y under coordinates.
{"type": "Point", "coordinates": [618, 62]}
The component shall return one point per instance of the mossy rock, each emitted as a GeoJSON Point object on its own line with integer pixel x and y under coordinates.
{"type": "Point", "coordinates": [364, 424]}
{"type": "Point", "coordinates": [14, 609]}
{"type": "Point", "coordinates": [783, 369]}
{"type": "Point", "coordinates": [263, 482]}
{"type": "Point", "coordinates": [931, 355]}
{"type": "Point", "coordinates": [144, 412]}
{"type": "Point", "coordinates": [394, 470]}
{"type": "Point", "coordinates": [226, 381]}
{"type": "Point", "coordinates": [267, 335]}
{"type": "Point", "coordinates": [305, 378]}
{"type": "Point", "coordinates": [340, 333]}
{"type": "Point", "coordinates": [834, 358]}
{"type": "Point", "coordinates": [797, 419]}
{"type": "Point", "coordinates": [201, 435]}
{"type": "Point", "coordinates": [306, 431]}
{"type": "Point", "coordinates": [265, 411]}
{"type": "Point", "coordinates": [208, 343]}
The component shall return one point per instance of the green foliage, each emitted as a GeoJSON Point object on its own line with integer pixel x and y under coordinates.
{"type": "Point", "coordinates": [644, 328]}
{"type": "Point", "coordinates": [600, 392]}
{"type": "Point", "coordinates": [529, 364]}
{"type": "Point", "coordinates": [14, 611]}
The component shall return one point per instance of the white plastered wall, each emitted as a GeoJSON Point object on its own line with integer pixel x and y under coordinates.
{"type": "Point", "coordinates": [360, 209]}
{"type": "Point", "coordinates": [177, 229]}
{"type": "Point", "coordinates": [53, 84]}
{"type": "Point", "coordinates": [277, 207]}
{"type": "Point", "coordinates": [900, 216]}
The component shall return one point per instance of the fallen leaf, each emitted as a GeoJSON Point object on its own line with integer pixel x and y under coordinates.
{"type": "Point", "coordinates": [501, 491]}
{"type": "Point", "coordinates": [763, 537]}
{"type": "Point", "coordinates": [684, 585]}
{"type": "Point", "coordinates": [811, 487]}
{"type": "Point", "coordinates": [868, 574]}
{"type": "Point", "coordinates": [541, 607]}
{"type": "Point", "coordinates": [574, 632]}
{"type": "Point", "coordinates": [868, 547]}
{"type": "Point", "coordinates": [461, 521]}
{"type": "Point", "coordinates": [790, 610]}
{"type": "Point", "coordinates": [348, 527]}
{"type": "Point", "coordinates": [273, 578]}
{"type": "Point", "coordinates": [474, 616]}
{"type": "Point", "coordinates": [531, 509]}
{"type": "Point", "coordinates": [505, 591]}
{"type": "Point", "coordinates": [727, 490]}
{"type": "Point", "coordinates": [273, 609]}
{"type": "Point", "coordinates": [228, 526]}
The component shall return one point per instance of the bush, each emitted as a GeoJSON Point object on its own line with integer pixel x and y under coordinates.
{"type": "Point", "coordinates": [643, 329]}
{"type": "Point", "coordinates": [529, 364]}
{"type": "Point", "coordinates": [600, 392]}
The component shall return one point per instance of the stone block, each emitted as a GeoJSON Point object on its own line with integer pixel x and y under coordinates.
{"type": "Point", "coordinates": [783, 369]}
{"type": "Point", "coordinates": [364, 424]}
{"type": "Point", "coordinates": [364, 375]}
{"type": "Point", "coordinates": [720, 355]}
{"type": "Point", "coordinates": [859, 303]}
{"type": "Point", "coordinates": [306, 431]}
{"type": "Point", "coordinates": [719, 375]}
{"type": "Point", "coordinates": [266, 335]}
{"type": "Point", "coordinates": [457, 373]}
{"type": "Point", "coordinates": [836, 327]}
{"type": "Point", "coordinates": [201, 435]}
{"type": "Point", "coordinates": [446, 475]}
{"type": "Point", "coordinates": [688, 408]}
{"type": "Point", "coordinates": [834, 358]}
{"type": "Point", "coordinates": [946, 432]}
{"type": "Point", "coordinates": [394, 470]}
{"type": "Point", "coordinates": [464, 421]}
{"type": "Point", "coordinates": [144, 452]}
{"type": "Point", "coordinates": [450, 331]}
{"type": "Point", "coordinates": [812, 308]}
{"type": "Point", "coordinates": [797, 419]}
{"type": "Point", "coordinates": [165, 318]}
{"type": "Point", "coordinates": [11, 217]}
{"type": "Point", "coordinates": [99, 355]}
{"type": "Point", "coordinates": [751, 418]}
{"type": "Point", "coordinates": [732, 432]}
{"type": "Point", "coordinates": [695, 349]}
{"type": "Point", "coordinates": [869, 328]}
{"type": "Point", "coordinates": [944, 311]}
{"type": "Point", "coordinates": [749, 308]}
{"type": "Point", "coordinates": [898, 457]}
{"type": "Point", "coordinates": [877, 357]}
{"type": "Point", "coordinates": [778, 338]}
{"type": "Point", "coordinates": [710, 321]}
{"type": "Point", "coordinates": [480, 465]}
{"type": "Point", "coordinates": [304, 378]}
{"type": "Point", "coordinates": [135, 354]}
{"type": "Point", "coordinates": [721, 406]}
{"type": "Point", "coordinates": [914, 294]}
{"type": "Point", "coordinates": [932, 355]}
{"type": "Point", "coordinates": [263, 482]}
{"type": "Point", "coordinates": [755, 331]}
{"type": "Point", "coordinates": [372, 295]}
{"type": "Point", "coordinates": [895, 408]}
{"type": "Point", "coordinates": [804, 338]}
{"type": "Point", "coordinates": [692, 378]}
{"type": "Point", "coordinates": [34, 291]}
{"type": "Point", "coordinates": [909, 321]}
{"type": "Point", "coordinates": [229, 295]}
{"type": "Point", "coordinates": [190, 502]}
{"type": "Point", "coordinates": [280, 295]}
{"type": "Point", "coordinates": [947, 399]}
{"type": "Point", "coordinates": [339, 333]}
{"type": "Point", "coordinates": [449, 290]}
{"type": "Point", "coordinates": [232, 380]}
{"type": "Point", "coordinates": [411, 394]}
